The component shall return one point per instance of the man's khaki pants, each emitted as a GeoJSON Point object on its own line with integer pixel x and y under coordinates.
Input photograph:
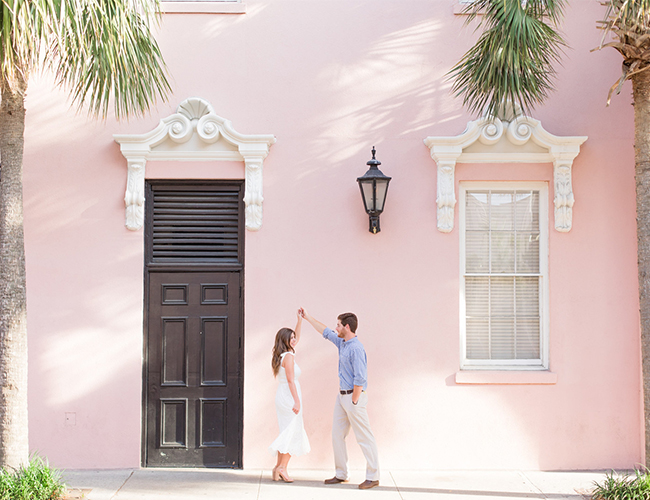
{"type": "Point", "coordinates": [347, 415]}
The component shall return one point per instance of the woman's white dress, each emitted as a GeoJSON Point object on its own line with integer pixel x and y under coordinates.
{"type": "Point", "coordinates": [293, 438]}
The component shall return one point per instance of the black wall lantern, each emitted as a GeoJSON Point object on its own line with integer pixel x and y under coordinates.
{"type": "Point", "coordinates": [374, 186]}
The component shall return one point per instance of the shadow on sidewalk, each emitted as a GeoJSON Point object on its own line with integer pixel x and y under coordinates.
{"type": "Point", "coordinates": [483, 493]}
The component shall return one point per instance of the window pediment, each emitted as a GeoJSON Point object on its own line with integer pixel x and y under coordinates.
{"type": "Point", "coordinates": [513, 139]}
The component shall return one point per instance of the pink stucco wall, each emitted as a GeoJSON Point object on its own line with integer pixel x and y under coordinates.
{"type": "Point", "coordinates": [330, 79]}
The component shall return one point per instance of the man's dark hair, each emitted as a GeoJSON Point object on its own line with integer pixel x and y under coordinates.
{"type": "Point", "coordinates": [349, 319]}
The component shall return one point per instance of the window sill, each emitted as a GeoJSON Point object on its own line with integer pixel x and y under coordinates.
{"type": "Point", "coordinates": [506, 377]}
{"type": "Point", "coordinates": [203, 7]}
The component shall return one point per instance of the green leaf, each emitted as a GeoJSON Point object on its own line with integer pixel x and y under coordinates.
{"type": "Point", "coordinates": [102, 50]}
{"type": "Point", "coordinates": [514, 56]}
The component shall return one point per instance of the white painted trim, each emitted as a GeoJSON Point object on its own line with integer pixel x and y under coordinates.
{"type": "Point", "coordinates": [493, 140]}
{"type": "Point", "coordinates": [511, 365]}
{"type": "Point", "coordinates": [203, 7]}
{"type": "Point", "coordinates": [506, 378]}
{"type": "Point", "coordinates": [194, 121]}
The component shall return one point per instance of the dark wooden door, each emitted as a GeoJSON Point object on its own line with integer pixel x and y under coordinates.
{"type": "Point", "coordinates": [193, 393]}
{"type": "Point", "coordinates": [193, 329]}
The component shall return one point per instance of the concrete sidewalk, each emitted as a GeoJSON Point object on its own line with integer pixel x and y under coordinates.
{"type": "Point", "coordinates": [251, 484]}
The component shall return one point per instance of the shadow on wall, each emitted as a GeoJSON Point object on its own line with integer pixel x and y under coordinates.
{"type": "Point", "coordinates": [85, 373]}
{"type": "Point", "coordinates": [379, 82]}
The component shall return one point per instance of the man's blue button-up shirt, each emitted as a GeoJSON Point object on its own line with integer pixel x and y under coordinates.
{"type": "Point", "coordinates": [353, 364]}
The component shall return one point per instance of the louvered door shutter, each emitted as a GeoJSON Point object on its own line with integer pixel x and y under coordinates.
{"type": "Point", "coordinates": [195, 224]}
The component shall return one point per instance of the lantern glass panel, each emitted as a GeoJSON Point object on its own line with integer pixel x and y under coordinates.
{"type": "Point", "coordinates": [382, 187]}
{"type": "Point", "coordinates": [368, 195]}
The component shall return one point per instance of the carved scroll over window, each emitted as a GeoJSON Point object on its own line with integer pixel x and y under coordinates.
{"type": "Point", "coordinates": [482, 143]}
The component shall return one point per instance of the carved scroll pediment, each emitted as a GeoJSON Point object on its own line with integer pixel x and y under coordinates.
{"type": "Point", "coordinates": [194, 133]}
{"type": "Point", "coordinates": [515, 138]}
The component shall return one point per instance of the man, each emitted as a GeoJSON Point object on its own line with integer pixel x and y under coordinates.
{"type": "Point", "coordinates": [350, 408]}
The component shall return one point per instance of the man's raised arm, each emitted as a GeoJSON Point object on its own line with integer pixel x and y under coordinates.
{"type": "Point", "coordinates": [320, 327]}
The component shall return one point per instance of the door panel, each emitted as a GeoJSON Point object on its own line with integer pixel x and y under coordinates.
{"type": "Point", "coordinates": [193, 370]}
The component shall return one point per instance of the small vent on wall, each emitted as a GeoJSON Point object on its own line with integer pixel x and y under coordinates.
{"type": "Point", "coordinates": [195, 224]}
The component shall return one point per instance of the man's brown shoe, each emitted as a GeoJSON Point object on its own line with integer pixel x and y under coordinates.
{"type": "Point", "coordinates": [367, 484]}
{"type": "Point", "coordinates": [336, 480]}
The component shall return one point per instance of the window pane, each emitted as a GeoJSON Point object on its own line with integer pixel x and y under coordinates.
{"type": "Point", "coordinates": [527, 210]}
{"type": "Point", "coordinates": [502, 338]}
{"type": "Point", "coordinates": [477, 339]}
{"type": "Point", "coordinates": [477, 294]}
{"type": "Point", "coordinates": [528, 345]}
{"type": "Point", "coordinates": [477, 211]}
{"type": "Point", "coordinates": [527, 252]}
{"type": "Point", "coordinates": [502, 297]}
{"type": "Point", "coordinates": [502, 252]}
{"type": "Point", "coordinates": [527, 300]}
{"type": "Point", "coordinates": [477, 251]}
{"type": "Point", "coordinates": [502, 211]}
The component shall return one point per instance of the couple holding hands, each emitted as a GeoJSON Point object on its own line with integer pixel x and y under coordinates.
{"type": "Point", "coordinates": [349, 409]}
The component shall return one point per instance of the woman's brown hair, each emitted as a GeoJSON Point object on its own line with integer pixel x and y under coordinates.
{"type": "Point", "coordinates": [282, 345]}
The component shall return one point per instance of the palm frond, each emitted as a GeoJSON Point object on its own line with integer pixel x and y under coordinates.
{"type": "Point", "coordinates": [104, 50]}
{"type": "Point", "coordinates": [628, 22]}
{"type": "Point", "coordinates": [24, 28]}
{"type": "Point", "coordinates": [632, 16]}
{"type": "Point", "coordinates": [514, 56]}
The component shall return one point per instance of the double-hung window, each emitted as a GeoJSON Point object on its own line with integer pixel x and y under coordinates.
{"type": "Point", "coordinates": [504, 271]}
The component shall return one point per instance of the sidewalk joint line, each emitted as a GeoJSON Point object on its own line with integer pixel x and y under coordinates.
{"type": "Point", "coordinates": [122, 486]}
{"type": "Point", "coordinates": [259, 485]}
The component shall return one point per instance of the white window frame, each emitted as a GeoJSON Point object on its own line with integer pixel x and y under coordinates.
{"type": "Point", "coordinates": [460, 6]}
{"type": "Point", "coordinates": [203, 7]}
{"type": "Point", "coordinates": [515, 364]}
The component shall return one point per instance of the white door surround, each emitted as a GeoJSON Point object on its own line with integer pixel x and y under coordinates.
{"type": "Point", "coordinates": [194, 133]}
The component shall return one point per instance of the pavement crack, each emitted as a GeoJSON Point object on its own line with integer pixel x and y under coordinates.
{"type": "Point", "coordinates": [122, 486]}
{"type": "Point", "coordinates": [396, 487]}
{"type": "Point", "coordinates": [531, 483]}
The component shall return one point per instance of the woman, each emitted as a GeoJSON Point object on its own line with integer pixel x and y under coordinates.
{"type": "Point", "coordinates": [292, 440]}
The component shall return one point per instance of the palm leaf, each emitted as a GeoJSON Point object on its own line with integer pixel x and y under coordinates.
{"type": "Point", "coordinates": [514, 56]}
{"type": "Point", "coordinates": [628, 21]}
{"type": "Point", "coordinates": [102, 50]}
{"type": "Point", "coordinates": [629, 15]}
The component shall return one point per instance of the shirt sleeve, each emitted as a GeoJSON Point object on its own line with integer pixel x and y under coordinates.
{"type": "Point", "coordinates": [360, 366]}
{"type": "Point", "coordinates": [330, 335]}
